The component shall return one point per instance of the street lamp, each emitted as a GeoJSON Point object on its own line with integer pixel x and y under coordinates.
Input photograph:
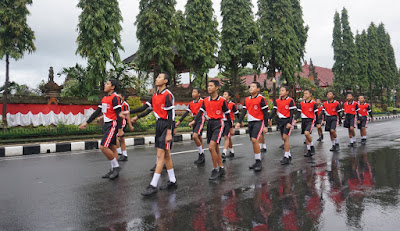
{"type": "Point", "coordinates": [274, 88]}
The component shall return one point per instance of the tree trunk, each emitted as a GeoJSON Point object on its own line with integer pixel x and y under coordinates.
{"type": "Point", "coordinates": [370, 93]}
{"type": "Point", "coordinates": [206, 83]}
{"type": "Point", "coordinates": [235, 72]}
{"type": "Point", "coordinates": [5, 93]}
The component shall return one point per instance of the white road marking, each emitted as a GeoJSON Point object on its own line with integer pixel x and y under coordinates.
{"type": "Point", "coordinates": [195, 150]}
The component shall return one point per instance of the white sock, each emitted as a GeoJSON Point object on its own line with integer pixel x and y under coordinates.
{"type": "Point", "coordinates": [336, 141]}
{"type": "Point", "coordinates": [119, 150]}
{"type": "Point", "coordinates": [287, 154]}
{"type": "Point", "coordinates": [261, 145]}
{"type": "Point", "coordinates": [364, 137]}
{"type": "Point", "coordinates": [154, 181]}
{"type": "Point", "coordinates": [311, 143]}
{"type": "Point", "coordinates": [232, 150]}
{"type": "Point", "coordinates": [333, 142]}
{"type": "Point", "coordinates": [225, 151]}
{"type": "Point", "coordinates": [351, 140]}
{"type": "Point", "coordinates": [200, 149]}
{"type": "Point", "coordinates": [308, 147]}
{"type": "Point", "coordinates": [264, 146]}
{"type": "Point", "coordinates": [114, 163]}
{"type": "Point", "coordinates": [257, 156]}
{"type": "Point", "coordinates": [125, 153]}
{"type": "Point", "coordinates": [171, 175]}
{"type": "Point", "coordinates": [354, 139]}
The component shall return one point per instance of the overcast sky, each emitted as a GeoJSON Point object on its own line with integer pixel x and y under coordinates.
{"type": "Point", "coordinates": [55, 21]}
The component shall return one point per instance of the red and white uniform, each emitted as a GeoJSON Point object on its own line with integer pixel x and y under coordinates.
{"type": "Point", "coordinates": [364, 109]}
{"type": "Point", "coordinates": [215, 108]}
{"type": "Point", "coordinates": [350, 108]}
{"type": "Point", "coordinates": [195, 106]}
{"type": "Point", "coordinates": [233, 110]}
{"type": "Point", "coordinates": [161, 103]}
{"type": "Point", "coordinates": [283, 107]}
{"type": "Point", "coordinates": [255, 107]}
{"type": "Point", "coordinates": [125, 108]}
{"type": "Point", "coordinates": [308, 109]}
{"type": "Point", "coordinates": [108, 105]}
{"type": "Point", "coordinates": [332, 109]}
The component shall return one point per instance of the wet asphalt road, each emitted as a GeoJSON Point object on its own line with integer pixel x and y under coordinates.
{"type": "Point", "coordinates": [354, 189]}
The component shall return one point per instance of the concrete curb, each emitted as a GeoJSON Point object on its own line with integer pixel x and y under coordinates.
{"type": "Point", "coordinates": [90, 145]}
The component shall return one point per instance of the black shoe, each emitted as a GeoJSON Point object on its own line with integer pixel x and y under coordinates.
{"type": "Point", "coordinates": [222, 172]}
{"type": "Point", "coordinates": [214, 174]}
{"type": "Point", "coordinates": [320, 139]}
{"type": "Point", "coordinates": [281, 146]}
{"type": "Point", "coordinates": [309, 154]}
{"type": "Point", "coordinates": [312, 150]}
{"type": "Point", "coordinates": [337, 147]}
{"type": "Point", "coordinates": [231, 155]}
{"type": "Point", "coordinates": [285, 161]}
{"type": "Point", "coordinates": [149, 190]}
{"type": "Point", "coordinates": [153, 168]}
{"type": "Point", "coordinates": [108, 174]}
{"type": "Point", "coordinates": [123, 158]}
{"type": "Point", "coordinates": [223, 155]}
{"type": "Point", "coordinates": [305, 142]}
{"type": "Point", "coordinates": [363, 141]}
{"type": "Point", "coordinates": [351, 145]}
{"type": "Point", "coordinates": [169, 185]}
{"type": "Point", "coordinates": [263, 150]}
{"type": "Point", "coordinates": [257, 166]}
{"type": "Point", "coordinates": [333, 149]}
{"type": "Point", "coordinates": [201, 159]}
{"type": "Point", "coordinates": [322, 136]}
{"type": "Point", "coordinates": [115, 173]}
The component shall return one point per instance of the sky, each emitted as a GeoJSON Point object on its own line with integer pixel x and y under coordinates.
{"type": "Point", "coordinates": [54, 23]}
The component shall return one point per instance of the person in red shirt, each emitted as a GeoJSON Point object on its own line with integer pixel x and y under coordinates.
{"type": "Point", "coordinates": [121, 146]}
{"type": "Point", "coordinates": [194, 108]}
{"type": "Point", "coordinates": [332, 118]}
{"type": "Point", "coordinates": [309, 112]}
{"type": "Point", "coordinates": [214, 107]}
{"type": "Point", "coordinates": [257, 115]}
{"type": "Point", "coordinates": [350, 110]}
{"type": "Point", "coordinates": [284, 108]}
{"type": "Point", "coordinates": [227, 135]}
{"type": "Point", "coordinates": [110, 107]}
{"type": "Point", "coordinates": [319, 120]}
{"type": "Point", "coordinates": [162, 104]}
{"type": "Point", "coordinates": [364, 110]}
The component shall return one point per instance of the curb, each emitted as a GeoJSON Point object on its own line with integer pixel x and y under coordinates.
{"type": "Point", "coordinates": [90, 145]}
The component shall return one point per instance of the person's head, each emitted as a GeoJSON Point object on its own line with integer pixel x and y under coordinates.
{"type": "Point", "coordinates": [318, 101]}
{"type": "Point", "coordinates": [196, 93]}
{"type": "Point", "coordinates": [307, 94]}
{"type": "Point", "coordinates": [111, 86]}
{"type": "Point", "coordinates": [123, 96]}
{"type": "Point", "coordinates": [330, 95]}
{"type": "Point", "coordinates": [254, 88]}
{"type": "Point", "coordinates": [284, 91]}
{"type": "Point", "coordinates": [227, 95]}
{"type": "Point", "coordinates": [213, 86]}
{"type": "Point", "coordinates": [349, 96]}
{"type": "Point", "coordinates": [162, 79]}
{"type": "Point", "coordinates": [361, 98]}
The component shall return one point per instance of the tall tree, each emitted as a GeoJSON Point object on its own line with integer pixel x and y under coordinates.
{"type": "Point", "coordinates": [282, 37]}
{"type": "Point", "coordinates": [99, 38]}
{"type": "Point", "coordinates": [199, 37]}
{"type": "Point", "coordinates": [16, 38]}
{"type": "Point", "coordinates": [337, 44]}
{"type": "Point", "coordinates": [374, 76]}
{"type": "Point", "coordinates": [382, 57]}
{"type": "Point", "coordinates": [393, 71]}
{"type": "Point", "coordinates": [363, 59]}
{"type": "Point", "coordinates": [156, 32]}
{"type": "Point", "coordinates": [313, 73]}
{"type": "Point", "coordinates": [238, 35]}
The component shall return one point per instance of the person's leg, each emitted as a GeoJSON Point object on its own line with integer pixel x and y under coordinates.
{"type": "Point", "coordinates": [226, 145]}
{"type": "Point", "coordinates": [170, 170]}
{"type": "Point", "coordinates": [119, 149]}
{"type": "Point", "coordinates": [199, 143]}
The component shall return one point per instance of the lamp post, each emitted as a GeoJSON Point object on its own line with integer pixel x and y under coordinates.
{"type": "Point", "coordinates": [274, 88]}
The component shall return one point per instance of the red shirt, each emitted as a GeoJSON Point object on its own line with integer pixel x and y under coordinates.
{"type": "Point", "coordinates": [332, 109]}
{"type": "Point", "coordinates": [320, 107]}
{"type": "Point", "coordinates": [364, 109]}
{"type": "Point", "coordinates": [195, 106]}
{"type": "Point", "coordinates": [125, 106]}
{"type": "Point", "coordinates": [255, 107]}
{"type": "Point", "coordinates": [283, 107]}
{"type": "Point", "coordinates": [108, 105]}
{"type": "Point", "coordinates": [161, 103]}
{"type": "Point", "coordinates": [215, 108]}
{"type": "Point", "coordinates": [232, 107]}
{"type": "Point", "coordinates": [350, 108]}
{"type": "Point", "coordinates": [308, 109]}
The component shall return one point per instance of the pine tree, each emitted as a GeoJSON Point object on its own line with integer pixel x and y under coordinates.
{"type": "Point", "coordinates": [382, 57]}
{"type": "Point", "coordinates": [99, 38]}
{"type": "Point", "coordinates": [157, 32]}
{"type": "Point", "coordinates": [239, 33]}
{"type": "Point", "coordinates": [16, 38]}
{"type": "Point", "coordinates": [393, 71]}
{"type": "Point", "coordinates": [337, 44]}
{"type": "Point", "coordinates": [363, 59]}
{"type": "Point", "coordinates": [198, 41]}
{"type": "Point", "coordinates": [312, 73]}
{"type": "Point", "coordinates": [374, 76]}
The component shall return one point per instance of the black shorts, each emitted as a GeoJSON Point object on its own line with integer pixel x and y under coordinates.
{"type": "Point", "coordinates": [226, 131]}
{"type": "Point", "coordinates": [282, 122]}
{"type": "Point", "coordinates": [198, 126]}
{"type": "Point", "coordinates": [331, 123]}
{"type": "Point", "coordinates": [214, 130]}
{"type": "Point", "coordinates": [350, 121]}
{"type": "Point", "coordinates": [256, 129]}
{"type": "Point", "coordinates": [363, 122]}
{"type": "Point", "coordinates": [161, 133]}
{"type": "Point", "coordinates": [307, 124]}
{"type": "Point", "coordinates": [319, 120]}
{"type": "Point", "coordinates": [110, 134]}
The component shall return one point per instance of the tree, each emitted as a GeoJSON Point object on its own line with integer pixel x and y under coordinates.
{"type": "Point", "coordinates": [156, 33]}
{"type": "Point", "coordinates": [282, 37]}
{"type": "Point", "coordinates": [198, 37]}
{"type": "Point", "coordinates": [313, 73]}
{"type": "Point", "coordinates": [99, 38]}
{"type": "Point", "coordinates": [363, 59]}
{"type": "Point", "coordinates": [337, 44]}
{"type": "Point", "coordinates": [16, 38]}
{"type": "Point", "coordinates": [238, 35]}
{"type": "Point", "coordinates": [374, 76]}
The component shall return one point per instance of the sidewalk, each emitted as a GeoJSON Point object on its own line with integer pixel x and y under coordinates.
{"type": "Point", "coordinates": [43, 148]}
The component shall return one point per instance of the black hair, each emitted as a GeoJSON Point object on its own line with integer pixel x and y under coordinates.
{"type": "Point", "coordinates": [123, 94]}
{"type": "Point", "coordinates": [349, 93]}
{"type": "Point", "coordinates": [114, 83]}
{"type": "Point", "coordinates": [331, 92]}
{"type": "Point", "coordinates": [309, 91]}
{"type": "Point", "coordinates": [229, 93]}
{"type": "Point", "coordinates": [362, 96]}
{"type": "Point", "coordinates": [216, 82]}
{"type": "Point", "coordinates": [257, 84]}
{"type": "Point", "coordinates": [198, 90]}
{"type": "Point", "coordinates": [286, 88]}
{"type": "Point", "coordinates": [166, 76]}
